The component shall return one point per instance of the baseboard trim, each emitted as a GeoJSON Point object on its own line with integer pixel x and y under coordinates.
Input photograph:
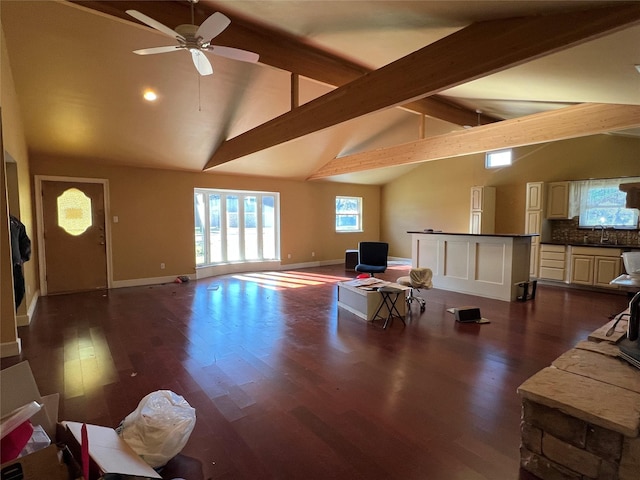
{"type": "Point", "coordinates": [574, 286]}
{"type": "Point", "coordinates": [217, 270]}
{"type": "Point", "coordinates": [25, 319]}
{"type": "Point", "coordinates": [10, 349]}
{"type": "Point", "coordinates": [141, 282]}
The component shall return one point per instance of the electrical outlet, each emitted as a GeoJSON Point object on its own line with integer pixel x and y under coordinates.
{"type": "Point", "coordinates": [289, 255]}
{"type": "Point", "coordinates": [162, 266]}
{"type": "Point", "coordinates": [313, 254]}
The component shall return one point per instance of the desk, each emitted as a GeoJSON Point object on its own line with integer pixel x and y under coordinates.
{"type": "Point", "coordinates": [364, 303]}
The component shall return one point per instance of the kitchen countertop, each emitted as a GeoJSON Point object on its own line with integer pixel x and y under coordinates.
{"type": "Point", "coordinates": [599, 245]}
{"type": "Point", "coordinates": [508, 235]}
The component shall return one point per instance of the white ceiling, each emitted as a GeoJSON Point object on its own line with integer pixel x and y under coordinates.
{"type": "Point", "coordinates": [80, 87]}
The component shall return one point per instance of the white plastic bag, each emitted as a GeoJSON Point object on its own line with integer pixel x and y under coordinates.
{"type": "Point", "coordinates": [159, 428]}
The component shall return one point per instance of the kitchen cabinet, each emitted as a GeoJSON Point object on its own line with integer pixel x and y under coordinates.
{"type": "Point", "coordinates": [553, 262]}
{"type": "Point", "coordinates": [535, 196]}
{"type": "Point", "coordinates": [533, 222]}
{"type": "Point", "coordinates": [595, 266]}
{"type": "Point", "coordinates": [582, 269]}
{"type": "Point", "coordinates": [558, 200]}
{"type": "Point", "coordinates": [605, 269]}
{"type": "Point", "coordinates": [533, 226]}
{"type": "Point", "coordinates": [483, 210]}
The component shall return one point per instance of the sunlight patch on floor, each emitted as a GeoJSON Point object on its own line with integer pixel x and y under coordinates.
{"type": "Point", "coordinates": [288, 279]}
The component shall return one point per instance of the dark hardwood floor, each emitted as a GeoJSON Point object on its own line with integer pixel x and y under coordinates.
{"type": "Point", "coordinates": [288, 386]}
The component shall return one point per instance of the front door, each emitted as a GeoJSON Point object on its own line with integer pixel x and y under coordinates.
{"type": "Point", "coordinates": [74, 236]}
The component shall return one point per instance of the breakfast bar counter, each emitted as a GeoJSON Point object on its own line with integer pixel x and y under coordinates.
{"type": "Point", "coordinates": [492, 266]}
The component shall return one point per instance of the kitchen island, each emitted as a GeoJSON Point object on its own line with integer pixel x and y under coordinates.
{"type": "Point", "coordinates": [490, 266]}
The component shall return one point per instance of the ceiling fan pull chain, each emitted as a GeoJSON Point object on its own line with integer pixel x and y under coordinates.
{"type": "Point", "coordinates": [199, 101]}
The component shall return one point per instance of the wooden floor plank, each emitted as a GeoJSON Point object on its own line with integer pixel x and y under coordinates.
{"type": "Point", "coordinates": [286, 385]}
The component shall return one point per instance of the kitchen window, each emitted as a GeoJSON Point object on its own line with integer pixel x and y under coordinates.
{"type": "Point", "coordinates": [602, 203]}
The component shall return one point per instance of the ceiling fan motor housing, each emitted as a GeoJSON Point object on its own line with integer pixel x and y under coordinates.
{"type": "Point", "coordinates": [190, 39]}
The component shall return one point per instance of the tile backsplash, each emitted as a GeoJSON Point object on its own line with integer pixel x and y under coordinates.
{"type": "Point", "coordinates": [567, 231]}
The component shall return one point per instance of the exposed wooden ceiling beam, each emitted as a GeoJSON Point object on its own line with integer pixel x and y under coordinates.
{"type": "Point", "coordinates": [279, 49]}
{"type": "Point", "coordinates": [475, 51]}
{"type": "Point", "coordinates": [570, 122]}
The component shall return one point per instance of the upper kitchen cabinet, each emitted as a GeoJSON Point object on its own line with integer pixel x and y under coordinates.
{"type": "Point", "coordinates": [558, 200]}
{"type": "Point", "coordinates": [483, 210]}
{"type": "Point", "coordinates": [535, 196]}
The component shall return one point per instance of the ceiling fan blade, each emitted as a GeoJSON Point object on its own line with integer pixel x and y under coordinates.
{"type": "Point", "coordinates": [213, 26]}
{"type": "Point", "coordinates": [234, 53]}
{"type": "Point", "coordinates": [154, 24]}
{"type": "Point", "coordinates": [154, 50]}
{"type": "Point", "coordinates": [201, 62]}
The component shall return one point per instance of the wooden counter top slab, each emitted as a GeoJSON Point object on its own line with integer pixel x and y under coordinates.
{"type": "Point", "coordinates": [595, 402]}
{"type": "Point", "coordinates": [618, 334]}
{"type": "Point", "coordinates": [604, 348]}
{"type": "Point", "coordinates": [604, 368]}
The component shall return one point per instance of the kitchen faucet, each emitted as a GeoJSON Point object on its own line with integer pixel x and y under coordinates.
{"type": "Point", "coordinates": [604, 236]}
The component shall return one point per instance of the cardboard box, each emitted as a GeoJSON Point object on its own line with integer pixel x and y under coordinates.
{"type": "Point", "coordinates": [108, 452]}
{"type": "Point", "coordinates": [45, 463]}
{"type": "Point", "coordinates": [19, 389]}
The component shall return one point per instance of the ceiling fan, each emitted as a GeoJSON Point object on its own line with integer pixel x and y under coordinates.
{"type": "Point", "coordinates": [195, 39]}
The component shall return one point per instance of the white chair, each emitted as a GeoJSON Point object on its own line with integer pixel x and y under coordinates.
{"type": "Point", "coordinates": [418, 279]}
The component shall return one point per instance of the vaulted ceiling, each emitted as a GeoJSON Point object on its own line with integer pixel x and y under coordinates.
{"type": "Point", "coordinates": [344, 90]}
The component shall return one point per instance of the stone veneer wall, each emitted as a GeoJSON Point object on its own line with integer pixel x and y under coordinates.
{"type": "Point", "coordinates": [581, 416]}
{"type": "Point", "coordinates": [559, 446]}
{"type": "Point", "coordinates": [567, 231]}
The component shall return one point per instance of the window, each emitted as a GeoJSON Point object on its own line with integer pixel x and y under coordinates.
{"type": "Point", "coordinates": [348, 214]}
{"type": "Point", "coordinates": [603, 203]}
{"type": "Point", "coordinates": [74, 212]}
{"type": "Point", "coordinates": [499, 158]}
{"type": "Point", "coordinates": [236, 226]}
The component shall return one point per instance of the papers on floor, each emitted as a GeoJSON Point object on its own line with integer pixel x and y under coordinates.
{"type": "Point", "coordinates": [369, 283]}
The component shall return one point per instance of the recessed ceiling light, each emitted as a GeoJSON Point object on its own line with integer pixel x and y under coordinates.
{"type": "Point", "coordinates": [150, 96]}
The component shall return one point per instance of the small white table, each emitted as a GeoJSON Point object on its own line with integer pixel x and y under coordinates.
{"type": "Point", "coordinates": [361, 298]}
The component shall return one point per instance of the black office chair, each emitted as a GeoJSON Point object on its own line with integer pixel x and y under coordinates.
{"type": "Point", "coordinates": [372, 257]}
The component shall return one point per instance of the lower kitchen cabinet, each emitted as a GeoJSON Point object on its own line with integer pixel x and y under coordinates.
{"type": "Point", "coordinates": [594, 266]}
{"type": "Point", "coordinates": [552, 262]}
{"type": "Point", "coordinates": [605, 269]}
{"type": "Point", "coordinates": [582, 269]}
